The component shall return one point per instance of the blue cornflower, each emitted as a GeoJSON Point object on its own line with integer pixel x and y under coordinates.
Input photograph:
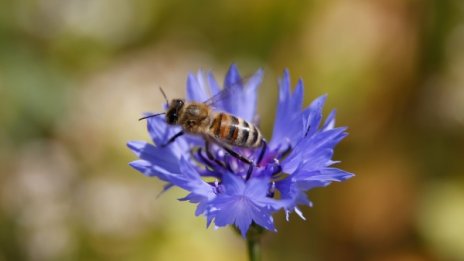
{"type": "Point", "coordinates": [297, 158]}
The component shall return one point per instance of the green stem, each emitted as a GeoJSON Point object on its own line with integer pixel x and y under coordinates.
{"type": "Point", "coordinates": [253, 241]}
{"type": "Point", "coordinates": [254, 249]}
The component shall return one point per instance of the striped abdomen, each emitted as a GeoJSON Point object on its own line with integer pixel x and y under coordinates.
{"type": "Point", "coordinates": [231, 130]}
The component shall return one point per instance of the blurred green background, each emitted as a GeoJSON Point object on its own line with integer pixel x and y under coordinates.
{"type": "Point", "coordinates": [75, 76]}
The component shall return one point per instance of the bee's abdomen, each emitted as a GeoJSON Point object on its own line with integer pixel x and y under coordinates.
{"type": "Point", "coordinates": [235, 131]}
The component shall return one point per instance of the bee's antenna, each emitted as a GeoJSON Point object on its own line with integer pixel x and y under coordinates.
{"type": "Point", "coordinates": [165, 97]}
{"type": "Point", "coordinates": [150, 116]}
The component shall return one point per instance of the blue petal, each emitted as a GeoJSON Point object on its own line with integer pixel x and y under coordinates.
{"type": "Point", "coordinates": [158, 129]}
{"type": "Point", "coordinates": [241, 211]}
{"type": "Point", "coordinates": [232, 77]}
{"type": "Point", "coordinates": [325, 174]}
{"type": "Point", "coordinates": [241, 98]}
{"type": "Point", "coordinates": [166, 187]}
{"type": "Point", "coordinates": [241, 203]}
{"type": "Point", "coordinates": [292, 195]}
{"type": "Point", "coordinates": [162, 163]}
{"type": "Point", "coordinates": [288, 126]}
{"type": "Point", "coordinates": [233, 185]}
{"type": "Point", "coordinates": [197, 90]}
{"type": "Point", "coordinates": [323, 140]}
{"type": "Point", "coordinates": [192, 88]}
{"type": "Point", "coordinates": [330, 121]}
{"type": "Point", "coordinates": [310, 149]}
{"type": "Point", "coordinates": [161, 157]}
{"type": "Point", "coordinates": [297, 99]}
{"type": "Point", "coordinates": [263, 217]}
{"type": "Point", "coordinates": [247, 109]}
{"type": "Point", "coordinates": [223, 211]}
{"type": "Point", "coordinates": [319, 159]}
{"type": "Point", "coordinates": [215, 88]}
{"type": "Point", "coordinates": [160, 132]}
{"type": "Point", "coordinates": [146, 168]}
{"type": "Point", "coordinates": [150, 170]}
{"type": "Point", "coordinates": [257, 187]}
{"type": "Point", "coordinates": [314, 115]}
{"type": "Point", "coordinates": [190, 180]}
{"type": "Point", "coordinates": [293, 188]}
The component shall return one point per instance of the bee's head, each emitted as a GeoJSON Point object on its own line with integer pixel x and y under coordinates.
{"type": "Point", "coordinates": [174, 110]}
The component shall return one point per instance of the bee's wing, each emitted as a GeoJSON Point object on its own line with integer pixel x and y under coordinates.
{"type": "Point", "coordinates": [216, 100]}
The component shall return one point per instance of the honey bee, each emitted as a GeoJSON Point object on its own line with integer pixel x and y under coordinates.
{"type": "Point", "coordinates": [199, 119]}
{"type": "Point", "coordinates": [223, 129]}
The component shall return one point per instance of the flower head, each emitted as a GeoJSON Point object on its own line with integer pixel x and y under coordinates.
{"type": "Point", "coordinates": [297, 158]}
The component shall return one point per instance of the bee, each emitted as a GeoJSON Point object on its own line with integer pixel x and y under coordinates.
{"type": "Point", "coordinates": [223, 129]}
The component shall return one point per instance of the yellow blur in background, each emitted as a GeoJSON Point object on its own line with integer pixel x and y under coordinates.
{"type": "Point", "coordinates": [75, 76]}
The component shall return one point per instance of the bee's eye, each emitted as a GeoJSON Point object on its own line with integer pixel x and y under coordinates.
{"type": "Point", "coordinates": [172, 116]}
{"type": "Point", "coordinates": [173, 113]}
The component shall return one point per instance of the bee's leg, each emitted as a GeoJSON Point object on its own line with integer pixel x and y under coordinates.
{"type": "Point", "coordinates": [212, 158]}
{"type": "Point", "coordinates": [286, 152]}
{"type": "Point", "coordinates": [250, 170]}
{"type": "Point", "coordinates": [241, 158]}
{"type": "Point", "coordinates": [173, 138]}
{"type": "Point", "coordinates": [206, 161]}
{"type": "Point", "coordinates": [208, 151]}
{"type": "Point", "coordinates": [237, 156]}
{"type": "Point", "coordinates": [263, 150]}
